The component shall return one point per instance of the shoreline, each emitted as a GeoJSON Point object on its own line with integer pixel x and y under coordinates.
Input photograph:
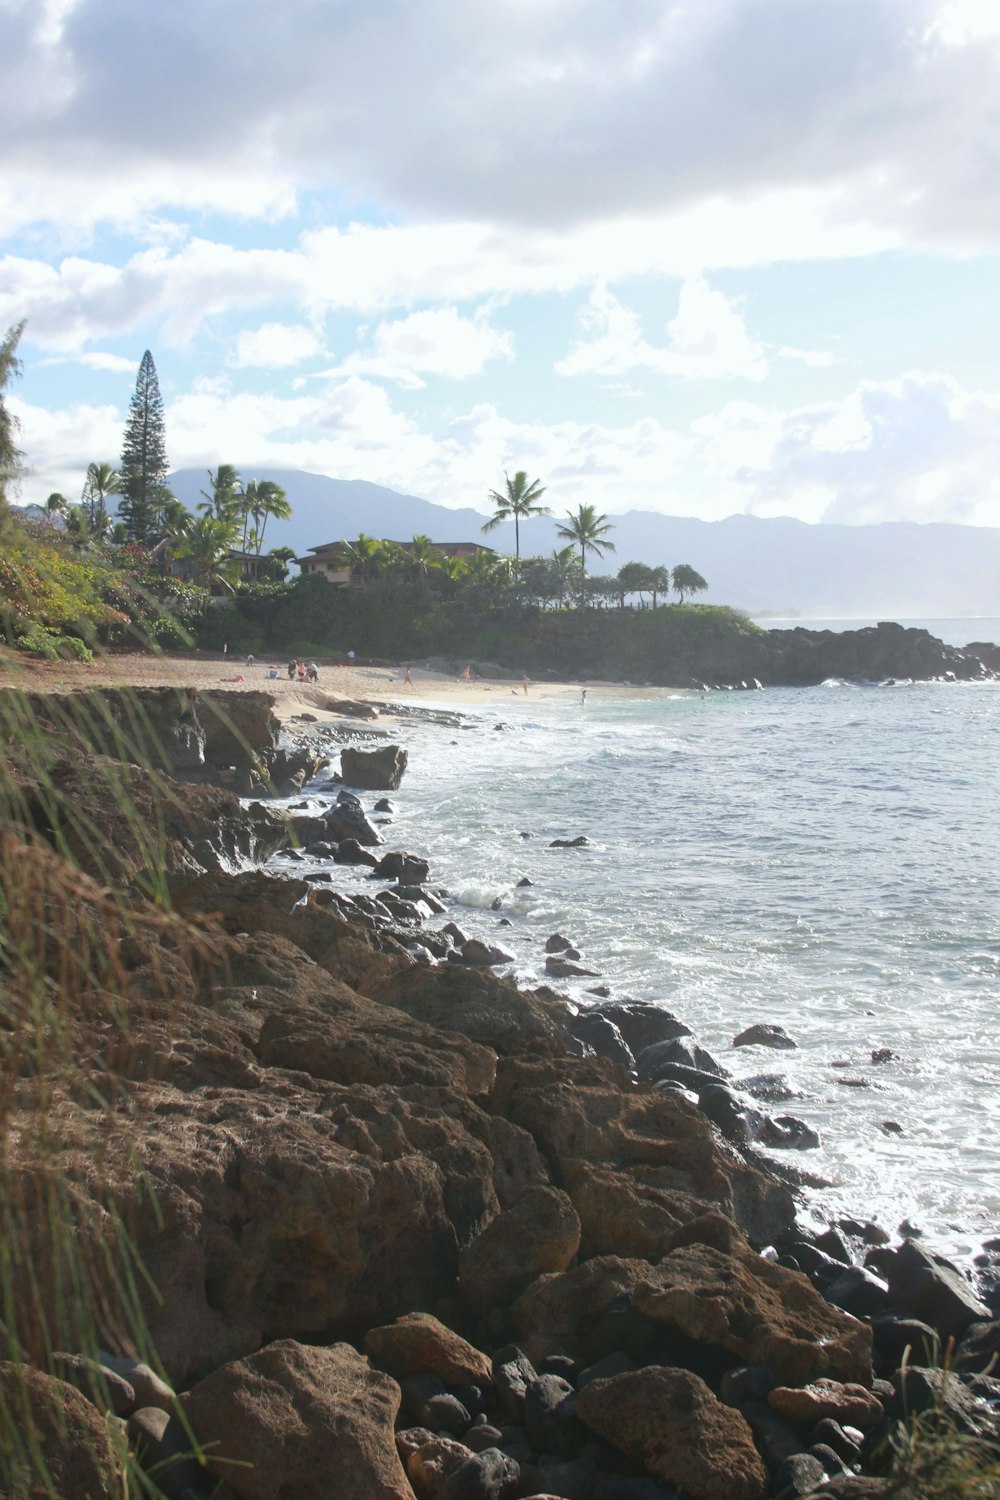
{"type": "Point", "coordinates": [354, 1146]}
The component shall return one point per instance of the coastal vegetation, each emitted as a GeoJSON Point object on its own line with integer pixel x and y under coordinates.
{"type": "Point", "coordinates": [81, 576]}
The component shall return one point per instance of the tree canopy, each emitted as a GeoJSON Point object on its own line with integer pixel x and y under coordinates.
{"type": "Point", "coordinates": [687, 581]}
{"type": "Point", "coordinates": [11, 457]}
{"type": "Point", "coordinates": [143, 469]}
{"type": "Point", "coordinates": [588, 530]}
{"type": "Point", "coordinates": [518, 501]}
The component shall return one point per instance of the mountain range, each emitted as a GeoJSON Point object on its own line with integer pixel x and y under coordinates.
{"type": "Point", "coordinates": [898, 569]}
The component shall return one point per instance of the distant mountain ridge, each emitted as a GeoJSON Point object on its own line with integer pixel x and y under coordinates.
{"type": "Point", "coordinates": [898, 570]}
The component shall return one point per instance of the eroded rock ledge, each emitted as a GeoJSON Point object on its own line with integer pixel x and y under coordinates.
{"type": "Point", "coordinates": [401, 1241]}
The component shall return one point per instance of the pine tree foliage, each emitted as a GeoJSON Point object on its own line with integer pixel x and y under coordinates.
{"type": "Point", "coordinates": [143, 469]}
{"type": "Point", "coordinates": [11, 457]}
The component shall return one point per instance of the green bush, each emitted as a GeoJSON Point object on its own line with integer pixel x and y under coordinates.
{"type": "Point", "coordinates": [53, 646]}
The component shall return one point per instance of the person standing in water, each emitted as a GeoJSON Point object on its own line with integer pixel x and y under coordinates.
{"type": "Point", "coordinates": [408, 678]}
{"type": "Point", "coordinates": [583, 696]}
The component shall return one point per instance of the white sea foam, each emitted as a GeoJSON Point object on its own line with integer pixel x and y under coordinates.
{"type": "Point", "coordinates": [828, 862]}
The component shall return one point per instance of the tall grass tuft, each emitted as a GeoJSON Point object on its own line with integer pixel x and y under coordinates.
{"type": "Point", "coordinates": [70, 930]}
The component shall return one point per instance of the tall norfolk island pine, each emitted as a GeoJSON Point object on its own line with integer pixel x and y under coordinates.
{"type": "Point", "coordinates": [143, 470]}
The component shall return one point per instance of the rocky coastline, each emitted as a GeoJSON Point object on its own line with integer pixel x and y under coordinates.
{"type": "Point", "coordinates": [406, 1229]}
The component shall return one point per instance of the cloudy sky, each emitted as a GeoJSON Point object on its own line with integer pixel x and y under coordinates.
{"type": "Point", "coordinates": [694, 256]}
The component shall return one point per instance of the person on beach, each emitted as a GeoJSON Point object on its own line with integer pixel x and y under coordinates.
{"type": "Point", "coordinates": [467, 675]}
{"type": "Point", "coordinates": [350, 658]}
{"type": "Point", "coordinates": [313, 672]}
{"type": "Point", "coordinates": [249, 658]}
{"type": "Point", "coordinates": [408, 678]}
{"type": "Point", "coordinates": [301, 671]}
{"type": "Point", "coordinates": [524, 684]}
{"type": "Point", "coordinates": [292, 669]}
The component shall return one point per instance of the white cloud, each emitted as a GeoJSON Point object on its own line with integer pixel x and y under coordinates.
{"type": "Point", "coordinates": [60, 444]}
{"type": "Point", "coordinates": [437, 341]}
{"type": "Point", "coordinates": [816, 358]}
{"type": "Point", "coordinates": [275, 346]}
{"type": "Point", "coordinates": [707, 340]}
{"type": "Point", "coordinates": [548, 114]}
{"type": "Point", "coordinates": [919, 448]}
{"type": "Point", "coordinates": [373, 268]}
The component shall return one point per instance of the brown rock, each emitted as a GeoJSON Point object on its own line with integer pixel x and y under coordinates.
{"type": "Point", "coordinates": [432, 1463]}
{"type": "Point", "coordinates": [561, 1314]}
{"type": "Point", "coordinates": [476, 1003]}
{"type": "Point", "coordinates": [99, 1383]}
{"type": "Point", "coordinates": [47, 1422]}
{"type": "Point", "coordinates": [656, 1153]}
{"type": "Point", "coordinates": [418, 1344]}
{"type": "Point", "coordinates": [290, 1421]}
{"type": "Point", "coordinates": [845, 1403]}
{"type": "Point", "coordinates": [670, 1422]}
{"type": "Point", "coordinates": [259, 903]}
{"type": "Point", "coordinates": [540, 1232]}
{"type": "Point", "coordinates": [253, 1221]}
{"type": "Point", "coordinates": [760, 1311]}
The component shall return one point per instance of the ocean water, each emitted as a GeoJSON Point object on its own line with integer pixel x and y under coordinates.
{"type": "Point", "coordinates": [826, 859]}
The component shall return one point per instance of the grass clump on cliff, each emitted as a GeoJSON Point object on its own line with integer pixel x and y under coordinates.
{"type": "Point", "coordinates": [933, 1460]}
{"type": "Point", "coordinates": [71, 941]}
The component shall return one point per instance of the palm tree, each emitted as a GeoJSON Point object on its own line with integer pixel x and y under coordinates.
{"type": "Point", "coordinates": [565, 571]}
{"type": "Point", "coordinates": [687, 581]}
{"type": "Point", "coordinates": [56, 503]}
{"type": "Point", "coordinates": [208, 546]}
{"type": "Point", "coordinates": [281, 557]}
{"type": "Point", "coordinates": [102, 480]}
{"type": "Point", "coordinates": [226, 497]}
{"type": "Point", "coordinates": [423, 555]}
{"type": "Point", "coordinates": [365, 554]}
{"type": "Point", "coordinates": [176, 520]}
{"type": "Point", "coordinates": [587, 529]}
{"type": "Point", "coordinates": [261, 499]}
{"type": "Point", "coordinates": [520, 501]}
{"type": "Point", "coordinates": [659, 581]}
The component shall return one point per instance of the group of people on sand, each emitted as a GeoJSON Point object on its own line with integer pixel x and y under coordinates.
{"type": "Point", "coordinates": [300, 671]}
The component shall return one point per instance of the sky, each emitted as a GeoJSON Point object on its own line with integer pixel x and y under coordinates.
{"type": "Point", "coordinates": [702, 257]}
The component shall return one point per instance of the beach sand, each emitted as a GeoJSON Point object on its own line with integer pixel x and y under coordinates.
{"type": "Point", "coordinates": [380, 686]}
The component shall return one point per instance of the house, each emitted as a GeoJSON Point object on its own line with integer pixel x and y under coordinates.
{"type": "Point", "coordinates": [336, 562]}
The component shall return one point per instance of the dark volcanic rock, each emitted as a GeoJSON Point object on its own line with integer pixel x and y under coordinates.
{"type": "Point", "coordinates": [374, 770]}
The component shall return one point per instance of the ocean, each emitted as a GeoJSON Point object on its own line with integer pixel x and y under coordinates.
{"type": "Point", "coordinates": [824, 859]}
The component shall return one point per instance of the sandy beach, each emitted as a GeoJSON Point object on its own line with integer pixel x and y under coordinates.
{"type": "Point", "coordinates": [377, 685]}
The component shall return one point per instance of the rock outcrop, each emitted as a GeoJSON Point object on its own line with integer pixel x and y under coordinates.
{"type": "Point", "coordinates": [564, 1280]}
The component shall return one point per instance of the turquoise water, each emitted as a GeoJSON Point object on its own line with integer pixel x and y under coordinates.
{"type": "Point", "coordinates": [822, 858]}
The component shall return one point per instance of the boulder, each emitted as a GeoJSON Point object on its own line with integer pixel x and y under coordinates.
{"type": "Point", "coordinates": [47, 1422]}
{"type": "Point", "coordinates": [538, 1233]}
{"type": "Point", "coordinates": [418, 1343]}
{"type": "Point", "coordinates": [490, 1475]}
{"type": "Point", "coordinates": [567, 1313]}
{"type": "Point", "coordinates": [932, 1289]}
{"type": "Point", "coordinates": [433, 1462]}
{"type": "Point", "coordinates": [759, 1311]}
{"type": "Point", "coordinates": [809, 1404]}
{"type": "Point", "coordinates": [658, 1152]}
{"type": "Point", "coordinates": [346, 821]}
{"type": "Point", "coordinates": [765, 1035]}
{"type": "Point", "coordinates": [347, 1039]}
{"type": "Point", "coordinates": [642, 1024]}
{"type": "Point", "coordinates": [476, 1003]}
{"type": "Point", "coordinates": [406, 868]}
{"type": "Point", "coordinates": [669, 1421]}
{"type": "Point", "coordinates": [374, 770]}
{"type": "Point", "coordinates": [280, 1423]}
